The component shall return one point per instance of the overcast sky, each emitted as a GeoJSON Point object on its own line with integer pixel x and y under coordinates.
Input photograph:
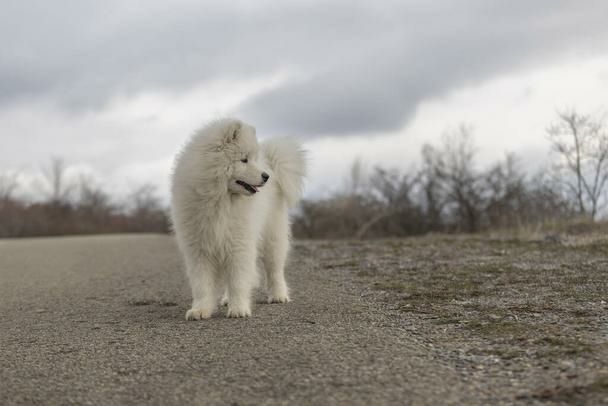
{"type": "Point", "coordinates": [116, 87]}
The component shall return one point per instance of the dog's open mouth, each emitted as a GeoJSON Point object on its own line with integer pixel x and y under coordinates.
{"type": "Point", "coordinates": [250, 188]}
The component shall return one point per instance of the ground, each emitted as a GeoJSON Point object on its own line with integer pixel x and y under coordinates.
{"type": "Point", "coordinates": [431, 320]}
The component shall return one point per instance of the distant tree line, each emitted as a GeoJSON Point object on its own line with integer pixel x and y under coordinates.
{"type": "Point", "coordinates": [77, 208]}
{"type": "Point", "coordinates": [449, 193]}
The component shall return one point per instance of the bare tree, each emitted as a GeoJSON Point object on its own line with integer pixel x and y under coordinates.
{"type": "Point", "coordinates": [146, 210]}
{"type": "Point", "coordinates": [94, 206]}
{"type": "Point", "coordinates": [454, 166]}
{"type": "Point", "coordinates": [355, 183]}
{"type": "Point", "coordinates": [91, 195]}
{"type": "Point", "coordinates": [504, 193]}
{"type": "Point", "coordinates": [393, 191]}
{"type": "Point", "coordinates": [545, 200]}
{"type": "Point", "coordinates": [433, 194]}
{"type": "Point", "coordinates": [9, 181]}
{"type": "Point", "coordinates": [581, 144]}
{"type": "Point", "coordinates": [57, 187]}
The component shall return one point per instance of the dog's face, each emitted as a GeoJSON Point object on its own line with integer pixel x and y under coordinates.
{"type": "Point", "coordinates": [241, 148]}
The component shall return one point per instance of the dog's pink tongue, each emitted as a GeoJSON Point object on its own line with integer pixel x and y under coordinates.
{"type": "Point", "coordinates": [255, 188]}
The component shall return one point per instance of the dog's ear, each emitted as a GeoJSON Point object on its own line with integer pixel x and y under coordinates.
{"type": "Point", "coordinates": [232, 132]}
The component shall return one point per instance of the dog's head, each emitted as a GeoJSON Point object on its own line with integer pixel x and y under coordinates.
{"type": "Point", "coordinates": [240, 146]}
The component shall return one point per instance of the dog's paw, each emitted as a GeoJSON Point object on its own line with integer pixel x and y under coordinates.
{"type": "Point", "coordinates": [198, 314]}
{"type": "Point", "coordinates": [278, 299]}
{"type": "Point", "coordinates": [237, 312]}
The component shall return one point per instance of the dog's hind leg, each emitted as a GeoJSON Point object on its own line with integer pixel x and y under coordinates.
{"type": "Point", "coordinates": [274, 255]}
{"type": "Point", "coordinates": [204, 282]}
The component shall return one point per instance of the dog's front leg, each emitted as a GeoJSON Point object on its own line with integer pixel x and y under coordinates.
{"type": "Point", "coordinates": [204, 282]}
{"type": "Point", "coordinates": [241, 281]}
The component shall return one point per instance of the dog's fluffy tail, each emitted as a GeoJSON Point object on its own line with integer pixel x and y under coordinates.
{"type": "Point", "coordinates": [286, 159]}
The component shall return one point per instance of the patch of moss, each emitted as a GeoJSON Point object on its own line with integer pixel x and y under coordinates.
{"type": "Point", "coordinates": [572, 393]}
{"type": "Point", "coordinates": [500, 328]}
{"type": "Point", "coordinates": [556, 341]}
{"type": "Point", "coordinates": [439, 287]}
{"type": "Point", "coordinates": [391, 286]}
{"type": "Point", "coordinates": [599, 385]}
{"type": "Point", "coordinates": [570, 351]}
{"type": "Point", "coordinates": [344, 264]}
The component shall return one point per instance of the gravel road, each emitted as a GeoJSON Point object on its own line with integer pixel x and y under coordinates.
{"type": "Point", "coordinates": [100, 320]}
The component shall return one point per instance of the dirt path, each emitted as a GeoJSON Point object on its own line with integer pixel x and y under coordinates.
{"type": "Point", "coordinates": [100, 320]}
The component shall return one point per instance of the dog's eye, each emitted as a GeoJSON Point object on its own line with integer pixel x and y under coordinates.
{"type": "Point", "coordinates": [244, 160]}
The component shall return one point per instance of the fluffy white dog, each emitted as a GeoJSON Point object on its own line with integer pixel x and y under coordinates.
{"type": "Point", "coordinates": [229, 205]}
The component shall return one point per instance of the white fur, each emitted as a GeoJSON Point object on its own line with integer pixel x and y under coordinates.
{"type": "Point", "coordinates": [221, 228]}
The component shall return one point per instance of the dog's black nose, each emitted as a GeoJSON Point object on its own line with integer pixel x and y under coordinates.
{"type": "Point", "coordinates": [265, 177]}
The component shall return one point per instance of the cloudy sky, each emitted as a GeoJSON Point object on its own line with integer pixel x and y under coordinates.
{"type": "Point", "coordinates": [116, 87]}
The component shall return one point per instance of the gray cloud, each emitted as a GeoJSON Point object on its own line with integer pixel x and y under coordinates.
{"type": "Point", "coordinates": [380, 88]}
{"type": "Point", "coordinates": [365, 67]}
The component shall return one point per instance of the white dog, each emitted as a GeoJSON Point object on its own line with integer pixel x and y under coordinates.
{"type": "Point", "coordinates": [229, 205]}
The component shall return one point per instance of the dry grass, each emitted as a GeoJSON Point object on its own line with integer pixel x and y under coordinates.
{"type": "Point", "coordinates": [529, 311]}
{"type": "Point", "coordinates": [575, 232]}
